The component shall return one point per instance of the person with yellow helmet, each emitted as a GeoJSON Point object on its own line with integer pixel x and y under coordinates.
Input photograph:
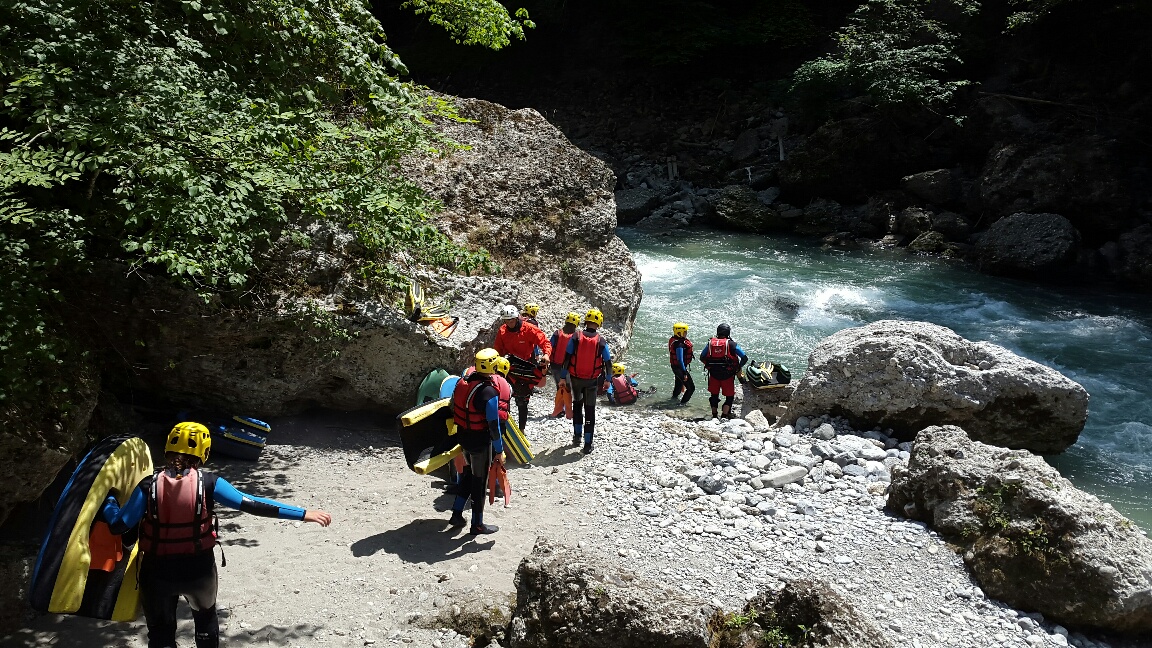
{"type": "Point", "coordinates": [559, 342]}
{"type": "Point", "coordinates": [476, 412]}
{"type": "Point", "coordinates": [175, 509]}
{"type": "Point", "coordinates": [680, 355]}
{"type": "Point", "coordinates": [586, 356]}
{"type": "Point", "coordinates": [531, 311]}
{"type": "Point", "coordinates": [622, 390]}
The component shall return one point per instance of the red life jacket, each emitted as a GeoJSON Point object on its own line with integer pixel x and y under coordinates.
{"type": "Point", "coordinates": [722, 362]}
{"type": "Point", "coordinates": [678, 342]}
{"type": "Point", "coordinates": [178, 520]}
{"type": "Point", "coordinates": [560, 347]}
{"type": "Point", "coordinates": [504, 394]}
{"type": "Point", "coordinates": [587, 361]}
{"type": "Point", "coordinates": [623, 391]}
{"type": "Point", "coordinates": [468, 417]}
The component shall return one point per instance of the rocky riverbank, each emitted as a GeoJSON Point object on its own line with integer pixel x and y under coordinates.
{"type": "Point", "coordinates": [717, 511]}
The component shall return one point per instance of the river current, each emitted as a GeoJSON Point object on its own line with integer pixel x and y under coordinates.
{"type": "Point", "coordinates": [782, 296]}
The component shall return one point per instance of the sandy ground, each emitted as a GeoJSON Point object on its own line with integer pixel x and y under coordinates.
{"type": "Point", "coordinates": [388, 555]}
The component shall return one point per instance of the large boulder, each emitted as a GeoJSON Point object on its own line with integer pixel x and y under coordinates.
{"type": "Point", "coordinates": [805, 612]}
{"type": "Point", "coordinates": [1078, 178]}
{"type": "Point", "coordinates": [938, 187]}
{"type": "Point", "coordinates": [909, 375]}
{"type": "Point", "coordinates": [634, 204]}
{"type": "Point", "coordinates": [542, 207]}
{"type": "Point", "coordinates": [566, 598]}
{"type": "Point", "coordinates": [738, 207]}
{"type": "Point", "coordinates": [1030, 537]}
{"type": "Point", "coordinates": [1035, 245]}
{"type": "Point", "coordinates": [1134, 263]}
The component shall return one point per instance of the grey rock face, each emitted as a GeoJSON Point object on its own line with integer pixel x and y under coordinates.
{"type": "Point", "coordinates": [1028, 244]}
{"type": "Point", "coordinates": [1135, 262]}
{"type": "Point", "coordinates": [543, 207]}
{"type": "Point", "coordinates": [1032, 539]}
{"type": "Point", "coordinates": [807, 608]}
{"type": "Point", "coordinates": [634, 204]}
{"type": "Point", "coordinates": [909, 375]}
{"type": "Point", "coordinates": [565, 598]}
{"type": "Point", "coordinates": [738, 207]}
{"type": "Point", "coordinates": [746, 146]}
{"type": "Point", "coordinates": [936, 187]}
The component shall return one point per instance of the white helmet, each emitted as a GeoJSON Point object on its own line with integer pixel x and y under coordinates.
{"type": "Point", "coordinates": [509, 312]}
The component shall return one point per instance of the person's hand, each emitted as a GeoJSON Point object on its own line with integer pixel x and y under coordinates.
{"type": "Point", "coordinates": [323, 518]}
{"type": "Point", "coordinates": [500, 458]}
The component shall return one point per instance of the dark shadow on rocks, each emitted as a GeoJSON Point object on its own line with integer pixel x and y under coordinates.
{"type": "Point", "coordinates": [425, 540]}
{"type": "Point", "coordinates": [556, 457]}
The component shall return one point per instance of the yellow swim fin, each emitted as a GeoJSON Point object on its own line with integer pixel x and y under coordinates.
{"type": "Point", "coordinates": [414, 298]}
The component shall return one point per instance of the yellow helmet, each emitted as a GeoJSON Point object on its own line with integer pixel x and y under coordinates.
{"type": "Point", "coordinates": [532, 309]}
{"type": "Point", "coordinates": [503, 366]}
{"type": "Point", "coordinates": [486, 361]}
{"type": "Point", "coordinates": [618, 369]}
{"type": "Point", "coordinates": [594, 316]}
{"type": "Point", "coordinates": [680, 329]}
{"type": "Point", "coordinates": [190, 439]}
{"type": "Point", "coordinates": [572, 318]}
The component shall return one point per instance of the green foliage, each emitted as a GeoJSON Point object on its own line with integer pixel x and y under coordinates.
{"type": "Point", "coordinates": [474, 22]}
{"type": "Point", "coordinates": [183, 138]}
{"type": "Point", "coordinates": [1033, 10]}
{"type": "Point", "coordinates": [737, 621]}
{"type": "Point", "coordinates": [892, 51]}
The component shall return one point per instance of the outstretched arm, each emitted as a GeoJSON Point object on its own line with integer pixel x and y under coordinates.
{"type": "Point", "coordinates": [227, 495]}
{"type": "Point", "coordinates": [122, 518]}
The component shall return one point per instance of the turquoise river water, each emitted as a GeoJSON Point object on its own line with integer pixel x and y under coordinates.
{"type": "Point", "coordinates": [1101, 340]}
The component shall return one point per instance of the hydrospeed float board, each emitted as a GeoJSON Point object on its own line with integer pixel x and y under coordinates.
{"type": "Point", "coordinates": [516, 444]}
{"type": "Point", "coordinates": [66, 578]}
{"type": "Point", "coordinates": [424, 435]}
{"type": "Point", "coordinates": [430, 387]}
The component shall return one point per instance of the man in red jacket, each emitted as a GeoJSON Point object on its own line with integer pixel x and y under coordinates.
{"type": "Point", "coordinates": [528, 349]}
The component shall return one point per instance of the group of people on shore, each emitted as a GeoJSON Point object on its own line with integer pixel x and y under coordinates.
{"type": "Point", "coordinates": [175, 507]}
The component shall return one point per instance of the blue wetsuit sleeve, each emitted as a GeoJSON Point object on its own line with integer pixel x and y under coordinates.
{"type": "Point", "coordinates": [122, 518]}
{"type": "Point", "coordinates": [492, 415]}
{"type": "Point", "coordinates": [571, 348]}
{"type": "Point", "coordinates": [227, 495]}
{"type": "Point", "coordinates": [607, 355]}
{"type": "Point", "coordinates": [554, 339]}
{"type": "Point", "coordinates": [680, 358]}
{"type": "Point", "coordinates": [740, 354]}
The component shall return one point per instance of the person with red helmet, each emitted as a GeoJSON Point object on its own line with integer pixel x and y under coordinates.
{"type": "Point", "coordinates": [528, 349]}
{"type": "Point", "coordinates": [175, 509]}
{"type": "Point", "coordinates": [723, 359]}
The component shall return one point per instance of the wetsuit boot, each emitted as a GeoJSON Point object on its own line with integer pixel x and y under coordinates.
{"type": "Point", "coordinates": [577, 434]}
{"type": "Point", "coordinates": [588, 432]}
{"type": "Point", "coordinates": [726, 411]}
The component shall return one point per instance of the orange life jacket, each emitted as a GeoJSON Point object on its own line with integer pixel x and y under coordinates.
{"type": "Point", "coordinates": [623, 391]}
{"type": "Point", "coordinates": [722, 361]}
{"type": "Point", "coordinates": [503, 393]}
{"type": "Point", "coordinates": [587, 360]}
{"type": "Point", "coordinates": [178, 520]}
{"type": "Point", "coordinates": [674, 343]}
{"type": "Point", "coordinates": [557, 357]}
{"type": "Point", "coordinates": [469, 416]}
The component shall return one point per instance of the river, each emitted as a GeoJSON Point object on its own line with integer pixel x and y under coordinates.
{"type": "Point", "coordinates": [1103, 340]}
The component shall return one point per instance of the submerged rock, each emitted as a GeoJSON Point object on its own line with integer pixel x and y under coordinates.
{"type": "Point", "coordinates": [565, 598]}
{"type": "Point", "coordinates": [1031, 538]}
{"type": "Point", "coordinates": [909, 375]}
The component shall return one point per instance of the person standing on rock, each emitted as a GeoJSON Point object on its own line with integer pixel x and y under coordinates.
{"type": "Point", "coordinates": [531, 310]}
{"type": "Point", "coordinates": [586, 357]}
{"type": "Point", "coordinates": [723, 359]}
{"type": "Point", "coordinates": [680, 355]}
{"type": "Point", "coordinates": [476, 411]}
{"type": "Point", "coordinates": [559, 342]}
{"type": "Point", "coordinates": [175, 509]}
{"type": "Point", "coordinates": [526, 347]}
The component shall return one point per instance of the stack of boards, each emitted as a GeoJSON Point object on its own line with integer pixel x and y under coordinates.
{"type": "Point", "coordinates": [243, 441]}
{"type": "Point", "coordinates": [426, 430]}
{"type": "Point", "coordinates": [82, 568]}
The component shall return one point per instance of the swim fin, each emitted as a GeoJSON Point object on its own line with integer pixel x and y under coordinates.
{"type": "Point", "coordinates": [445, 326]}
{"type": "Point", "coordinates": [431, 313]}
{"type": "Point", "coordinates": [414, 298]}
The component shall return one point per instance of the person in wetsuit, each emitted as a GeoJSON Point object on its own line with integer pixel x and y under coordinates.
{"type": "Point", "coordinates": [476, 412]}
{"type": "Point", "coordinates": [525, 345]}
{"type": "Point", "coordinates": [586, 357]}
{"type": "Point", "coordinates": [722, 358]}
{"type": "Point", "coordinates": [562, 405]}
{"type": "Point", "coordinates": [175, 509]}
{"type": "Point", "coordinates": [680, 356]}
